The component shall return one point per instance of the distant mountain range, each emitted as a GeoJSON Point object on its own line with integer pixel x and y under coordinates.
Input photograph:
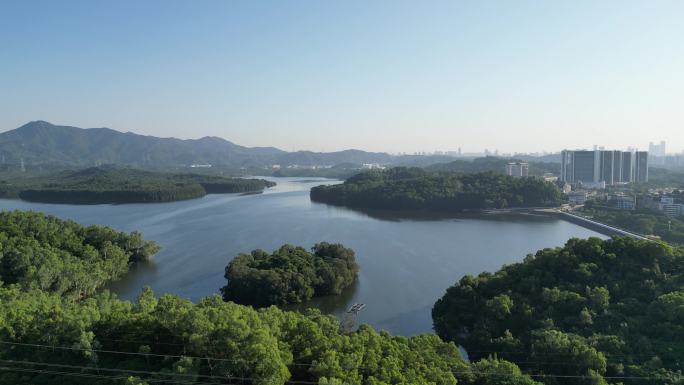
{"type": "Point", "coordinates": [43, 143]}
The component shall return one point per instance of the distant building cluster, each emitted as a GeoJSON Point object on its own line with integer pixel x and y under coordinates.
{"type": "Point", "coordinates": [577, 197]}
{"type": "Point", "coordinates": [599, 168]}
{"type": "Point", "coordinates": [622, 201]}
{"type": "Point", "coordinates": [670, 208]}
{"type": "Point", "coordinates": [372, 166]}
{"type": "Point", "coordinates": [518, 169]}
{"type": "Point", "coordinates": [670, 160]}
{"type": "Point", "coordinates": [658, 156]}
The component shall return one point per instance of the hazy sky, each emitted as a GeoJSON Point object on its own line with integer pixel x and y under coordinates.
{"type": "Point", "coordinates": [376, 75]}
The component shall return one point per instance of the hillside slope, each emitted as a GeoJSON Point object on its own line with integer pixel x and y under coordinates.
{"type": "Point", "coordinates": [42, 143]}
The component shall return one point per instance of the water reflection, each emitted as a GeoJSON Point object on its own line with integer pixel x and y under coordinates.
{"type": "Point", "coordinates": [332, 304]}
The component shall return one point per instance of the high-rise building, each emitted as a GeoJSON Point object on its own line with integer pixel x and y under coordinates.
{"type": "Point", "coordinates": [607, 164]}
{"type": "Point", "coordinates": [657, 149]}
{"type": "Point", "coordinates": [518, 169]}
{"type": "Point", "coordinates": [641, 166]}
{"type": "Point", "coordinates": [567, 170]}
{"type": "Point", "coordinates": [604, 167]}
{"type": "Point", "coordinates": [580, 166]}
{"type": "Point", "coordinates": [587, 167]}
{"type": "Point", "coordinates": [627, 167]}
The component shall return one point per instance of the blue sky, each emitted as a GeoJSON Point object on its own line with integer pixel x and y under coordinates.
{"type": "Point", "coordinates": [377, 75]}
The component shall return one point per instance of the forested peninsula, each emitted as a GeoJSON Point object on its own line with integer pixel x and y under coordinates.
{"type": "Point", "coordinates": [59, 330]}
{"type": "Point", "coordinates": [109, 184]}
{"type": "Point", "coordinates": [44, 253]}
{"type": "Point", "coordinates": [414, 188]}
{"type": "Point", "coordinates": [594, 311]}
{"type": "Point", "coordinates": [290, 274]}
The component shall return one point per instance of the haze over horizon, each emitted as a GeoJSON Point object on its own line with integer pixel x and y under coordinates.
{"type": "Point", "coordinates": [383, 76]}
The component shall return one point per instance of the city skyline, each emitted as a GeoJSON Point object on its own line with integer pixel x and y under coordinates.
{"type": "Point", "coordinates": [379, 76]}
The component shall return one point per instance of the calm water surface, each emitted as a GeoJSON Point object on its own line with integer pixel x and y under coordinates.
{"type": "Point", "coordinates": [406, 264]}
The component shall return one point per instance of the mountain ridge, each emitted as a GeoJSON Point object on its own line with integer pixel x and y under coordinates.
{"type": "Point", "coordinates": [41, 142]}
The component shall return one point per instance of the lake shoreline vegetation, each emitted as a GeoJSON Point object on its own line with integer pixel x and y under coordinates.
{"type": "Point", "coordinates": [55, 333]}
{"type": "Point", "coordinates": [115, 185]}
{"type": "Point", "coordinates": [411, 189]}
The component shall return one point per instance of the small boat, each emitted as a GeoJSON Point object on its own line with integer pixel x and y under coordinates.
{"type": "Point", "coordinates": [356, 308]}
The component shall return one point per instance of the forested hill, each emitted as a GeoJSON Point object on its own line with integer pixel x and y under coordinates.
{"type": "Point", "coordinates": [42, 143]}
{"type": "Point", "coordinates": [494, 164]}
{"type": "Point", "coordinates": [52, 336]}
{"type": "Point", "coordinates": [595, 311]}
{"type": "Point", "coordinates": [111, 184]}
{"type": "Point", "coordinates": [413, 188]}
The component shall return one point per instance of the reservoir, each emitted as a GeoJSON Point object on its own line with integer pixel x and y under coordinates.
{"type": "Point", "coordinates": [406, 263]}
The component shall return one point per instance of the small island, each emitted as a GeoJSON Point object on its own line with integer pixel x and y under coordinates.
{"type": "Point", "coordinates": [110, 184]}
{"type": "Point", "coordinates": [414, 189]}
{"type": "Point", "coordinates": [290, 274]}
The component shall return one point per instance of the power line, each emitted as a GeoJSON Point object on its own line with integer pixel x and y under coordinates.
{"type": "Point", "coordinates": [607, 354]}
{"type": "Point", "coordinates": [298, 382]}
{"type": "Point", "coordinates": [498, 353]}
{"type": "Point", "coordinates": [132, 371]}
{"type": "Point", "coordinates": [86, 375]}
{"type": "Point", "coordinates": [299, 364]}
{"type": "Point", "coordinates": [125, 353]}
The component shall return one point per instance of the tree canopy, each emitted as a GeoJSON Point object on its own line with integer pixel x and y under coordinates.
{"type": "Point", "coordinates": [60, 333]}
{"type": "Point", "coordinates": [494, 164]}
{"type": "Point", "coordinates": [289, 275]}
{"type": "Point", "coordinates": [590, 310]}
{"type": "Point", "coordinates": [45, 253]}
{"type": "Point", "coordinates": [169, 340]}
{"type": "Point", "coordinates": [413, 188]}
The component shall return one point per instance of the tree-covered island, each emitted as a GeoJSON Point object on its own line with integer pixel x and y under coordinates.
{"type": "Point", "coordinates": [413, 188]}
{"type": "Point", "coordinates": [110, 184]}
{"type": "Point", "coordinates": [290, 274]}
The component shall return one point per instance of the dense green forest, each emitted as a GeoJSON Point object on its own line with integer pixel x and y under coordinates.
{"type": "Point", "coordinates": [289, 275]}
{"type": "Point", "coordinates": [110, 184]}
{"type": "Point", "coordinates": [171, 340]}
{"type": "Point", "coordinates": [594, 309]}
{"type": "Point", "coordinates": [45, 253]}
{"type": "Point", "coordinates": [59, 334]}
{"type": "Point", "coordinates": [413, 188]}
{"type": "Point", "coordinates": [494, 164]}
{"type": "Point", "coordinates": [431, 163]}
{"type": "Point", "coordinates": [339, 171]}
{"type": "Point", "coordinates": [646, 222]}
